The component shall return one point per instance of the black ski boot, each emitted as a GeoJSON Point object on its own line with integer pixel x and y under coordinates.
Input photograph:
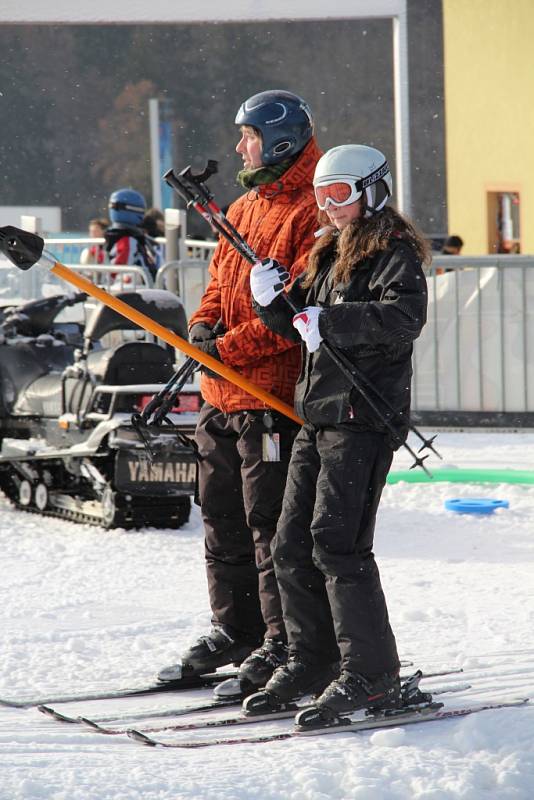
{"type": "Point", "coordinates": [352, 691]}
{"type": "Point", "coordinates": [254, 672]}
{"type": "Point", "coordinates": [209, 653]}
{"type": "Point", "coordinates": [288, 684]}
{"type": "Point", "coordinates": [258, 668]}
{"type": "Point", "coordinates": [349, 693]}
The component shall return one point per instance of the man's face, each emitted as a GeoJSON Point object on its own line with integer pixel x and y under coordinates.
{"type": "Point", "coordinates": [249, 147]}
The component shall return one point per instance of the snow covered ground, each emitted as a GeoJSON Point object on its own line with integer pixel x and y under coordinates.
{"type": "Point", "coordinates": [84, 608]}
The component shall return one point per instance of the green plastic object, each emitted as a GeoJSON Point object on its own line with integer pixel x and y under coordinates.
{"type": "Point", "coordinates": [462, 476]}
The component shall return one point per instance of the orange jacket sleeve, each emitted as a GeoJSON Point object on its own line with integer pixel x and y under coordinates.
{"type": "Point", "coordinates": [243, 343]}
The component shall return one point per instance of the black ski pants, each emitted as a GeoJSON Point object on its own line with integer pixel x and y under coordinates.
{"type": "Point", "coordinates": [240, 499]}
{"type": "Point", "coordinates": [332, 599]}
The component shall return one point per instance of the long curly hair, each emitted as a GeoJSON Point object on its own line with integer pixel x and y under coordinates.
{"type": "Point", "coordinates": [361, 239]}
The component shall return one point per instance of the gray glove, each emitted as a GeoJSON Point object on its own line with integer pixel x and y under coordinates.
{"type": "Point", "coordinates": [200, 332]}
{"type": "Point", "coordinates": [203, 337]}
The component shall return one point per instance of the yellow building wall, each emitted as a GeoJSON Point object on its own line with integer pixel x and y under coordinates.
{"type": "Point", "coordinates": [489, 106]}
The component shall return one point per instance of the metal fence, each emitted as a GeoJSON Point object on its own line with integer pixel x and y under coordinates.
{"type": "Point", "coordinates": [474, 359]}
{"type": "Point", "coordinates": [184, 270]}
{"type": "Point", "coordinates": [473, 362]}
{"type": "Point", "coordinates": [188, 276]}
{"type": "Point", "coordinates": [18, 287]}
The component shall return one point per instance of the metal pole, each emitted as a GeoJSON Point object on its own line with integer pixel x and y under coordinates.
{"type": "Point", "coordinates": [402, 110]}
{"type": "Point", "coordinates": [173, 220]}
{"type": "Point", "coordinates": [153, 118]}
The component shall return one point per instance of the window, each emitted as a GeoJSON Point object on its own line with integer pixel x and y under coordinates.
{"type": "Point", "coordinates": [503, 222]}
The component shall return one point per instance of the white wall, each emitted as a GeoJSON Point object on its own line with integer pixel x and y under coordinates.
{"type": "Point", "coordinates": [50, 216]}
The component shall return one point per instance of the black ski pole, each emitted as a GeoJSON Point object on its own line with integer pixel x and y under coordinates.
{"type": "Point", "coordinates": [193, 189]}
{"type": "Point", "coordinates": [201, 199]}
{"type": "Point", "coordinates": [159, 398]}
{"type": "Point", "coordinates": [158, 405]}
{"type": "Point", "coordinates": [197, 195]}
{"type": "Point", "coordinates": [202, 202]}
{"type": "Point", "coordinates": [175, 383]}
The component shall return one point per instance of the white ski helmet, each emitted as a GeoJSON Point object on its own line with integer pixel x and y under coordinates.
{"type": "Point", "coordinates": [356, 168]}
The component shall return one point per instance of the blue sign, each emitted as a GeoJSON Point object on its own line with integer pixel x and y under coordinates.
{"type": "Point", "coordinates": [166, 158]}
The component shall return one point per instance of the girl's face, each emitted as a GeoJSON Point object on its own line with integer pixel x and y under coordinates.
{"type": "Point", "coordinates": [341, 216]}
{"type": "Point", "coordinates": [249, 147]}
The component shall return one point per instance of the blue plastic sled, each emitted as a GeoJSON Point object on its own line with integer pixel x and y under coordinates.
{"type": "Point", "coordinates": [473, 505]}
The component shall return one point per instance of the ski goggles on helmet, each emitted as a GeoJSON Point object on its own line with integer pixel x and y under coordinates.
{"type": "Point", "coordinates": [338, 193]}
{"type": "Point", "coordinates": [345, 189]}
{"type": "Point", "coordinates": [120, 205]}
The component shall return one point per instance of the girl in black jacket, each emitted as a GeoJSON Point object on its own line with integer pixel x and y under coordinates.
{"type": "Point", "coordinates": [364, 292]}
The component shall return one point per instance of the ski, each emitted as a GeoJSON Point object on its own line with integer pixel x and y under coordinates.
{"type": "Point", "coordinates": [181, 684]}
{"type": "Point", "coordinates": [185, 682]}
{"type": "Point", "coordinates": [411, 716]}
{"type": "Point", "coordinates": [213, 705]}
{"type": "Point", "coordinates": [227, 722]}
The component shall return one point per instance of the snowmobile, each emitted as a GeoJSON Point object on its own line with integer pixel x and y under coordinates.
{"type": "Point", "coordinates": [69, 390]}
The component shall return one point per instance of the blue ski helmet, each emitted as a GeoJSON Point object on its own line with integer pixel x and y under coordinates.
{"type": "Point", "coordinates": [284, 120]}
{"type": "Point", "coordinates": [127, 207]}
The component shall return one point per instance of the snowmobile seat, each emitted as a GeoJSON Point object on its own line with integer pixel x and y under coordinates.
{"type": "Point", "coordinates": [158, 304]}
{"type": "Point", "coordinates": [131, 362]}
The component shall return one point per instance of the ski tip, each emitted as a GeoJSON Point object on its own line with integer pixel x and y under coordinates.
{"type": "Point", "coordinates": [232, 689]}
{"type": "Point", "coordinates": [51, 712]}
{"type": "Point", "coordinates": [137, 736]}
{"type": "Point", "coordinates": [170, 674]}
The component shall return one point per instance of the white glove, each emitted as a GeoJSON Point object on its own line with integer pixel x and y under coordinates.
{"type": "Point", "coordinates": [267, 280]}
{"type": "Point", "coordinates": [307, 324]}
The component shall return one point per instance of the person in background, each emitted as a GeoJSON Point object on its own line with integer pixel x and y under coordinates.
{"type": "Point", "coordinates": [96, 253]}
{"type": "Point", "coordinates": [364, 292]}
{"type": "Point", "coordinates": [244, 447]}
{"type": "Point", "coordinates": [452, 246]}
{"type": "Point", "coordinates": [127, 243]}
{"type": "Point", "coordinates": [154, 224]}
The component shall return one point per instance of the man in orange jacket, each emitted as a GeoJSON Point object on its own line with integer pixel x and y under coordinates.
{"type": "Point", "coordinates": [244, 448]}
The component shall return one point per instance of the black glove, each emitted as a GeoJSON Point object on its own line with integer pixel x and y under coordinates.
{"type": "Point", "coordinates": [208, 346]}
{"type": "Point", "coordinates": [200, 332]}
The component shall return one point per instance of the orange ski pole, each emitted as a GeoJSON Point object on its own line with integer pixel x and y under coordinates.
{"type": "Point", "coordinates": [25, 249]}
{"type": "Point", "coordinates": [85, 285]}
